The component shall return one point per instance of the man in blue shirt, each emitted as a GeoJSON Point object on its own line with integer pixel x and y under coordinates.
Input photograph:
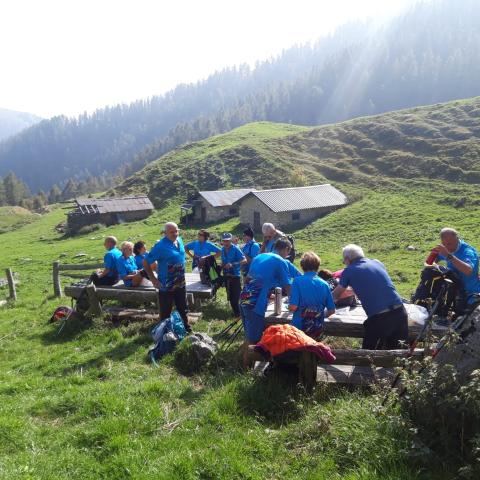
{"type": "Point", "coordinates": [232, 259]}
{"type": "Point", "coordinates": [251, 249]}
{"type": "Point", "coordinates": [201, 248]}
{"type": "Point", "coordinates": [462, 259]}
{"type": "Point", "coordinates": [109, 274]}
{"type": "Point", "coordinates": [309, 297]}
{"type": "Point", "coordinates": [267, 271]}
{"type": "Point", "coordinates": [169, 254]}
{"type": "Point", "coordinates": [270, 236]}
{"type": "Point", "coordinates": [387, 322]}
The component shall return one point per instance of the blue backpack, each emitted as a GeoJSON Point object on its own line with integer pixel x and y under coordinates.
{"type": "Point", "coordinates": [166, 335]}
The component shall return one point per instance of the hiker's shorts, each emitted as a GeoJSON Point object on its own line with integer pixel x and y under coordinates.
{"type": "Point", "coordinates": [253, 324]}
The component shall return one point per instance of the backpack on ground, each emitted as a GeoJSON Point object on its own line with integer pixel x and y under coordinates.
{"type": "Point", "coordinates": [166, 335]}
{"type": "Point", "coordinates": [432, 280]}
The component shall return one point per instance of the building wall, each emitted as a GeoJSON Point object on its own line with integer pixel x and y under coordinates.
{"type": "Point", "coordinates": [286, 218]}
{"type": "Point", "coordinates": [75, 222]}
{"type": "Point", "coordinates": [213, 214]}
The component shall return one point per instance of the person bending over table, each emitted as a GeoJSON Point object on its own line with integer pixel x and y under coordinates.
{"type": "Point", "coordinates": [232, 259]}
{"type": "Point", "coordinates": [386, 325]}
{"type": "Point", "coordinates": [267, 271]}
{"type": "Point", "coordinates": [169, 255]}
{"type": "Point", "coordinates": [309, 297]}
{"type": "Point", "coordinates": [109, 274]}
{"type": "Point", "coordinates": [127, 267]}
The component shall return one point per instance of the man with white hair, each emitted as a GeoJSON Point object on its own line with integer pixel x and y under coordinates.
{"type": "Point", "coordinates": [387, 320]}
{"type": "Point", "coordinates": [461, 258]}
{"type": "Point", "coordinates": [169, 255]}
{"type": "Point", "coordinates": [270, 236]}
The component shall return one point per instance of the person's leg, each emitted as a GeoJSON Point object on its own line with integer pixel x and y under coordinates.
{"type": "Point", "coordinates": [165, 303]}
{"type": "Point", "coordinates": [253, 325]}
{"type": "Point", "coordinates": [137, 279]}
{"type": "Point", "coordinates": [180, 298]}
{"type": "Point", "coordinates": [398, 337]}
{"type": "Point", "coordinates": [234, 296]}
{"type": "Point", "coordinates": [103, 281]}
{"type": "Point", "coordinates": [371, 338]}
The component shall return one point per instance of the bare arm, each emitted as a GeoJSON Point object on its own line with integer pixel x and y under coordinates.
{"type": "Point", "coordinates": [463, 267]}
{"type": "Point", "coordinates": [337, 293]}
{"type": "Point", "coordinates": [148, 268]}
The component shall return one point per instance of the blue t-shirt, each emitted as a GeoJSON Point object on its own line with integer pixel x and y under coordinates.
{"type": "Point", "coordinates": [234, 255]}
{"type": "Point", "coordinates": [310, 292]}
{"type": "Point", "coordinates": [267, 271]}
{"type": "Point", "coordinates": [170, 263]}
{"type": "Point", "coordinates": [126, 266]}
{"type": "Point", "coordinates": [252, 249]}
{"type": "Point", "coordinates": [110, 261]}
{"type": "Point", "coordinates": [201, 249]}
{"type": "Point", "coordinates": [293, 271]}
{"type": "Point", "coordinates": [372, 284]}
{"type": "Point", "coordinates": [139, 260]}
{"type": "Point", "coordinates": [467, 254]}
{"type": "Point", "coordinates": [269, 245]}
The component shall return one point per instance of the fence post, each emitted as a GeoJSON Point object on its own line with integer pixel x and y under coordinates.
{"type": "Point", "coordinates": [11, 284]}
{"type": "Point", "coordinates": [57, 287]}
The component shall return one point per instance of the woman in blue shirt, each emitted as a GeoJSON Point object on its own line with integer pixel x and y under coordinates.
{"type": "Point", "coordinates": [309, 297]}
{"type": "Point", "coordinates": [201, 248]}
{"type": "Point", "coordinates": [140, 251]}
{"type": "Point", "coordinates": [232, 259]}
{"type": "Point", "coordinates": [126, 266]}
{"type": "Point", "coordinates": [251, 249]}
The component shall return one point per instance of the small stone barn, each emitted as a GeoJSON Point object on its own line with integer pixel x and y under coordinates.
{"type": "Point", "coordinates": [108, 211]}
{"type": "Point", "coordinates": [289, 206]}
{"type": "Point", "coordinates": [212, 206]}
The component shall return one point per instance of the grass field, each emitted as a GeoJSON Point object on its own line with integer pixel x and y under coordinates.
{"type": "Point", "coordinates": [87, 404]}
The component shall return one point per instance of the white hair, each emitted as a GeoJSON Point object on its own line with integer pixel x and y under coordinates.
{"type": "Point", "coordinates": [124, 245]}
{"type": "Point", "coordinates": [448, 231]}
{"type": "Point", "coordinates": [352, 252]}
{"type": "Point", "coordinates": [268, 227]}
{"type": "Point", "coordinates": [170, 225]}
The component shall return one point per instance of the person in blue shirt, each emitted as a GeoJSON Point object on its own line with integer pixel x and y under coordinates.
{"type": "Point", "coordinates": [201, 248]}
{"type": "Point", "coordinates": [386, 326]}
{"type": "Point", "coordinates": [232, 260]}
{"type": "Point", "coordinates": [462, 259]}
{"type": "Point", "coordinates": [250, 249]}
{"type": "Point", "coordinates": [267, 271]}
{"type": "Point", "coordinates": [140, 252]}
{"type": "Point", "coordinates": [270, 236]}
{"type": "Point", "coordinates": [309, 297]}
{"type": "Point", "coordinates": [127, 267]}
{"type": "Point", "coordinates": [169, 256]}
{"type": "Point", "coordinates": [109, 274]}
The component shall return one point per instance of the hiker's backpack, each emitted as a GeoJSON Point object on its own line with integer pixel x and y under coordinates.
{"type": "Point", "coordinates": [432, 280]}
{"type": "Point", "coordinates": [166, 335]}
{"type": "Point", "coordinates": [293, 253]}
{"type": "Point", "coordinates": [61, 313]}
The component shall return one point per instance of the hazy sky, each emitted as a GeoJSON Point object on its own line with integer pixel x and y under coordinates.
{"type": "Point", "coordinates": [71, 56]}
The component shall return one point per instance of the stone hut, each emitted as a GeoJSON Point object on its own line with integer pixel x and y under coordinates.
{"type": "Point", "coordinates": [286, 207]}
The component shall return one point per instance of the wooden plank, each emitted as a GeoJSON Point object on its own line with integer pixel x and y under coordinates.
{"type": "Point", "coordinates": [11, 284]}
{"type": "Point", "coordinates": [379, 358]}
{"type": "Point", "coordinates": [79, 266]}
{"type": "Point", "coordinates": [57, 286]}
{"type": "Point", "coordinates": [353, 375]}
{"type": "Point", "coordinates": [95, 307]}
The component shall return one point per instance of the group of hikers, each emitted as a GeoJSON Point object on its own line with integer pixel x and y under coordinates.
{"type": "Point", "coordinates": [253, 271]}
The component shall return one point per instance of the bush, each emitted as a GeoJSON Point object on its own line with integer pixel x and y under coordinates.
{"type": "Point", "coordinates": [90, 228]}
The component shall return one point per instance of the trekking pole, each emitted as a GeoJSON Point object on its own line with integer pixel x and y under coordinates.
{"type": "Point", "coordinates": [418, 338]}
{"type": "Point", "coordinates": [229, 341]}
{"type": "Point", "coordinates": [228, 328]}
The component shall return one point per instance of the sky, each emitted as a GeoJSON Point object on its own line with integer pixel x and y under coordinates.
{"type": "Point", "coordinates": [74, 56]}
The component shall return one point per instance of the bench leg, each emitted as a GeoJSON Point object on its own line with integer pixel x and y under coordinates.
{"type": "Point", "coordinates": [307, 370]}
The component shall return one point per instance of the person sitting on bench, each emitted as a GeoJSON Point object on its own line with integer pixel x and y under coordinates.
{"type": "Point", "coordinates": [127, 268]}
{"type": "Point", "coordinates": [109, 274]}
{"type": "Point", "coordinates": [140, 251]}
{"type": "Point", "coordinates": [201, 248]}
{"type": "Point", "coordinates": [387, 320]}
{"type": "Point", "coordinates": [309, 297]}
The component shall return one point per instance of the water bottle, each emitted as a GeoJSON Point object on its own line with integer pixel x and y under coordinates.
{"type": "Point", "coordinates": [278, 301]}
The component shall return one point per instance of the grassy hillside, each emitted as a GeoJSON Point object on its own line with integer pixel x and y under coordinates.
{"type": "Point", "coordinates": [439, 141]}
{"type": "Point", "coordinates": [13, 217]}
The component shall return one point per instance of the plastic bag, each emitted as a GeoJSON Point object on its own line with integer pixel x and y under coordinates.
{"type": "Point", "coordinates": [417, 315]}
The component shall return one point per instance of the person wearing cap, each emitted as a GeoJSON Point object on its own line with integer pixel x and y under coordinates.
{"type": "Point", "coordinates": [250, 249]}
{"type": "Point", "coordinates": [386, 326]}
{"type": "Point", "coordinates": [169, 255]}
{"type": "Point", "coordinates": [232, 260]}
{"type": "Point", "coordinates": [109, 274]}
{"type": "Point", "coordinates": [201, 248]}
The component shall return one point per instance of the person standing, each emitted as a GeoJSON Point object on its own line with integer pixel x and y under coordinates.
{"type": "Point", "coordinates": [109, 274]}
{"type": "Point", "coordinates": [270, 236]}
{"type": "Point", "coordinates": [169, 254]}
{"type": "Point", "coordinates": [386, 325]}
{"type": "Point", "coordinates": [201, 248]}
{"type": "Point", "coordinates": [250, 249]}
{"type": "Point", "coordinates": [232, 259]}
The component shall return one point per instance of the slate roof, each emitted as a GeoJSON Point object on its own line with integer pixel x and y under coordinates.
{"type": "Point", "coordinates": [301, 198]}
{"type": "Point", "coordinates": [224, 198]}
{"type": "Point", "coordinates": [113, 205]}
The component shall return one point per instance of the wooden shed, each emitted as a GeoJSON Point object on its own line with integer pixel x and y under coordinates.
{"type": "Point", "coordinates": [108, 211]}
{"type": "Point", "coordinates": [289, 206]}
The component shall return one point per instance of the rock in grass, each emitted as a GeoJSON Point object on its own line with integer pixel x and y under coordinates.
{"type": "Point", "coordinates": [411, 248]}
{"type": "Point", "coordinates": [194, 352]}
{"type": "Point", "coordinates": [79, 255]}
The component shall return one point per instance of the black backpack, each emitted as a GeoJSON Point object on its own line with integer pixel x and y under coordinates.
{"type": "Point", "coordinates": [293, 253]}
{"type": "Point", "coordinates": [432, 280]}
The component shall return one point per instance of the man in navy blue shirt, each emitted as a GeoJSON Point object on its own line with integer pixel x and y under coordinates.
{"type": "Point", "coordinates": [232, 259]}
{"type": "Point", "coordinates": [169, 254]}
{"type": "Point", "coordinates": [387, 320]}
{"type": "Point", "coordinates": [109, 274]}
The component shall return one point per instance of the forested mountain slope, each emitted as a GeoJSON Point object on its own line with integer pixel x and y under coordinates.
{"type": "Point", "coordinates": [428, 55]}
{"type": "Point", "coordinates": [12, 122]}
{"type": "Point", "coordinates": [434, 142]}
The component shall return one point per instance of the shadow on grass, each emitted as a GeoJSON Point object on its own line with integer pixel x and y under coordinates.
{"type": "Point", "coordinates": [61, 332]}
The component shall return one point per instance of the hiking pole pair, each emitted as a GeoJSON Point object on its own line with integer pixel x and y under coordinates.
{"type": "Point", "coordinates": [420, 336]}
{"type": "Point", "coordinates": [230, 332]}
